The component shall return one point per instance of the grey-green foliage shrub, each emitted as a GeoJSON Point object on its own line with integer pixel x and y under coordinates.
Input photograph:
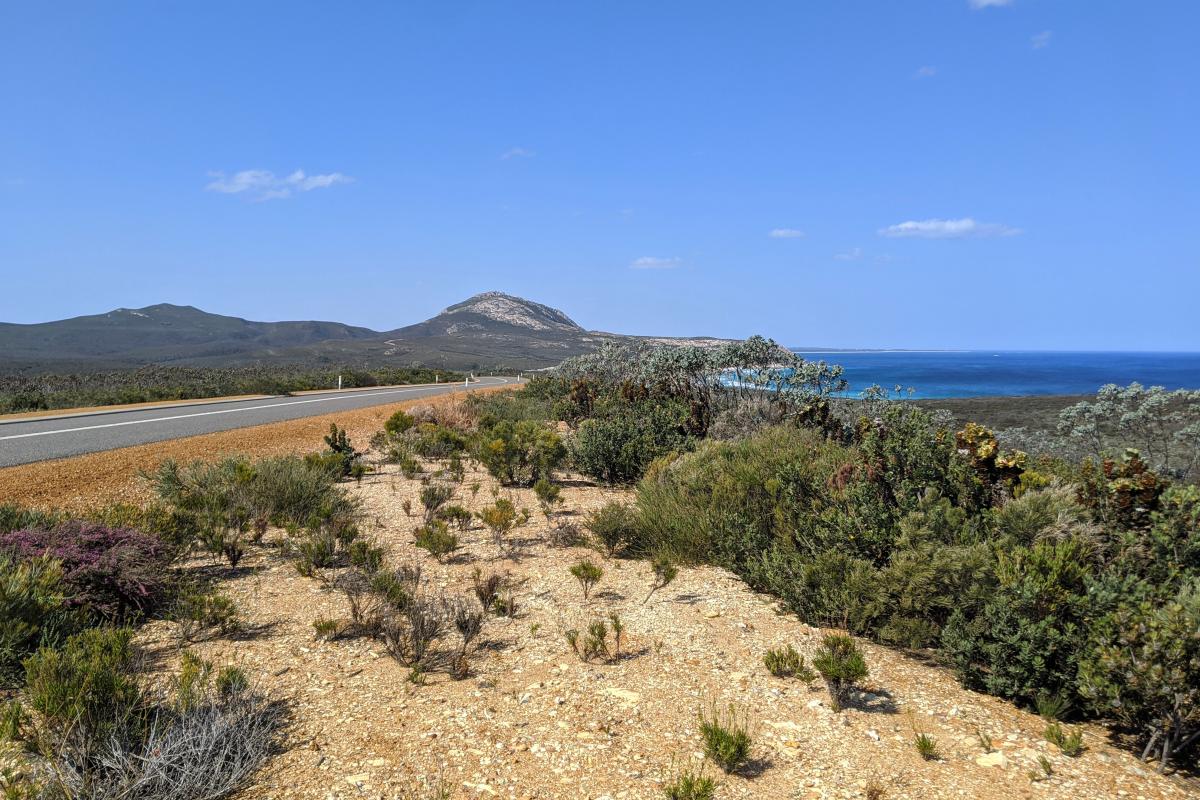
{"type": "Point", "coordinates": [93, 727]}
{"type": "Point", "coordinates": [617, 446]}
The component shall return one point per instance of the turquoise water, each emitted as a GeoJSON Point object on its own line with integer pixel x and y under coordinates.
{"type": "Point", "coordinates": [994, 373]}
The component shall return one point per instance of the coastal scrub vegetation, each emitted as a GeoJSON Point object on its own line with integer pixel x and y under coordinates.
{"type": "Point", "coordinates": [40, 392]}
{"type": "Point", "coordinates": [1071, 573]}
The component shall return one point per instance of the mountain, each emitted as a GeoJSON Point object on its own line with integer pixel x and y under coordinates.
{"type": "Point", "coordinates": [491, 330]}
{"type": "Point", "coordinates": [160, 334]}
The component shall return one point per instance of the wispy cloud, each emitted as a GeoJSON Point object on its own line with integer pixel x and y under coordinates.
{"type": "Point", "coordinates": [965, 228]}
{"type": "Point", "coordinates": [786, 233]}
{"type": "Point", "coordinates": [1040, 40]}
{"type": "Point", "coordinates": [853, 254]}
{"type": "Point", "coordinates": [261, 184]}
{"type": "Point", "coordinates": [655, 262]}
{"type": "Point", "coordinates": [925, 72]}
{"type": "Point", "coordinates": [981, 4]}
{"type": "Point", "coordinates": [517, 152]}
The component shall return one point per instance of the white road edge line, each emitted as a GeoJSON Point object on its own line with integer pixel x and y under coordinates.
{"type": "Point", "coordinates": [208, 413]}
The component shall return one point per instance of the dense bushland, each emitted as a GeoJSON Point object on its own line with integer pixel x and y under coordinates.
{"type": "Point", "coordinates": [50, 391]}
{"type": "Point", "coordinates": [1047, 580]}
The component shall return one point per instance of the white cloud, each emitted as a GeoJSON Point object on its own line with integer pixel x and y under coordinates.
{"type": "Point", "coordinates": [517, 152]}
{"type": "Point", "coordinates": [263, 184]}
{"type": "Point", "coordinates": [853, 254]}
{"type": "Point", "coordinates": [981, 4]}
{"type": "Point", "coordinates": [655, 262]}
{"type": "Point", "coordinates": [1040, 40]}
{"type": "Point", "coordinates": [925, 72]}
{"type": "Point", "coordinates": [947, 229]}
{"type": "Point", "coordinates": [786, 233]}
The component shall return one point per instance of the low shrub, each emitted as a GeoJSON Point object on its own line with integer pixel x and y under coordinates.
{"type": "Point", "coordinates": [433, 497]}
{"type": "Point", "coordinates": [519, 453]}
{"type": "Point", "coordinates": [33, 611]}
{"type": "Point", "coordinates": [456, 515]}
{"type": "Point", "coordinates": [588, 575]}
{"type": "Point", "coordinates": [549, 496]}
{"type": "Point", "coordinates": [616, 448]}
{"type": "Point", "coordinates": [500, 518]}
{"type": "Point", "coordinates": [201, 613]}
{"type": "Point", "coordinates": [593, 643]}
{"type": "Point", "coordinates": [435, 441]}
{"type": "Point", "coordinates": [614, 526]}
{"type": "Point", "coordinates": [726, 736]}
{"type": "Point", "coordinates": [841, 664]}
{"type": "Point", "coordinates": [93, 728]}
{"type": "Point", "coordinates": [1070, 743]}
{"type": "Point", "coordinates": [436, 538]}
{"type": "Point", "coordinates": [690, 784]}
{"type": "Point", "coordinates": [927, 747]}
{"type": "Point", "coordinates": [788, 663]}
{"type": "Point", "coordinates": [663, 572]}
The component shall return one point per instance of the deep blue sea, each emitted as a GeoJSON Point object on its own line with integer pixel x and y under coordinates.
{"type": "Point", "coordinates": [982, 373]}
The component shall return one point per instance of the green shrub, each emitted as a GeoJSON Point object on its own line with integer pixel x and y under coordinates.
{"type": "Point", "coordinates": [690, 784]}
{"type": "Point", "coordinates": [398, 423]}
{"type": "Point", "coordinates": [788, 663]}
{"type": "Point", "coordinates": [841, 664]}
{"type": "Point", "coordinates": [436, 538]}
{"type": "Point", "coordinates": [617, 448]}
{"type": "Point", "coordinates": [614, 526]}
{"type": "Point", "coordinates": [200, 612]}
{"type": "Point", "coordinates": [89, 685]}
{"type": "Point", "coordinates": [519, 453]}
{"type": "Point", "coordinates": [500, 518]}
{"type": "Point", "coordinates": [455, 515]}
{"type": "Point", "coordinates": [664, 573]}
{"type": "Point", "coordinates": [367, 556]}
{"type": "Point", "coordinates": [1071, 744]}
{"type": "Point", "coordinates": [549, 495]}
{"type": "Point", "coordinates": [588, 575]}
{"type": "Point", "coordinates": [33, 611]}
{"type": "Point", "coordinates": [433, 497]}
{"type": "Point", "coordinates": [726, 737]}
{"type": "Point", "coordinates": [1029, 635]}
{"type": "Point", "coordinates": [94, 728]}
{"type": "Point", "coordinates": [1143, 667]}
{"type": "Point", "coordinates": [437, 441]}
{"type": "Point", "coordinates": [927, 746]}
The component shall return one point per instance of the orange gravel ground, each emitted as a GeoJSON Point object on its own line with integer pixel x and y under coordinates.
{"type": "Point", "coordinates": [112, 476]}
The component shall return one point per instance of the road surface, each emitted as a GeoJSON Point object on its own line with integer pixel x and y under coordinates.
{"type": "Point", "coordinates": [39, 438]}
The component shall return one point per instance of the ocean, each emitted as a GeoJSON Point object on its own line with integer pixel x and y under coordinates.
{"type": "Point", "coordinates": [986, 373]}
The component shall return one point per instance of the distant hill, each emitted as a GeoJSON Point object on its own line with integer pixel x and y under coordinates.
{"type": "Point", "coordinates": [491, 330]}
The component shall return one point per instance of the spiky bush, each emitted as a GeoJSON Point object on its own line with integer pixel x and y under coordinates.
{"type": "Point", "coordinates": [33, 611]}
{"type": "Point", "coordinates": [841, 664]}
{"type": "Point", "coordinates": [786, 662]}
{"type": "Point", "coordinates": [726, 736]}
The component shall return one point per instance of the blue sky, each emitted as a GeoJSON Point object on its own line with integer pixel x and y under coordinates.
{"type": "Point", "coordinates": [898, 174]}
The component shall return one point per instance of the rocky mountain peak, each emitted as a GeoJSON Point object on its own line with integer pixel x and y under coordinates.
{"type": "Point", "coordinates": [515, 311]}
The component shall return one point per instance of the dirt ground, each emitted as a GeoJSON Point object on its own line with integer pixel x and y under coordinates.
{"type": "Point", "coordinates": [533, 721]}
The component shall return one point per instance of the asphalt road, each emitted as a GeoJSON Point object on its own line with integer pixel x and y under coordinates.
{"type": "Point", "coordinates": [41, 438]}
